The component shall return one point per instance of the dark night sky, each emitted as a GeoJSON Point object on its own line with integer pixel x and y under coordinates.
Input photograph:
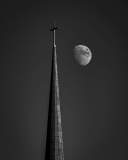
{"type": "Point", "coordinates": [93, 98]}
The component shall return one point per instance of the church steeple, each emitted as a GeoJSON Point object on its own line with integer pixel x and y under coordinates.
{"type": "Point", "coordinates": [54, 141]}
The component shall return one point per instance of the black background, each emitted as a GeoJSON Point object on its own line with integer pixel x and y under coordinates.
{"type": "Point", "coordinates": [93, 98]}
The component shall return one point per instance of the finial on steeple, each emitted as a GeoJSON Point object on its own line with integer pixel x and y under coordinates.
{"type": "Point", "coordinates": [53, 29]}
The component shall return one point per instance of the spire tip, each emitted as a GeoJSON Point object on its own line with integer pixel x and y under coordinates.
{"type": "Point", "coordinates": [53, 27]}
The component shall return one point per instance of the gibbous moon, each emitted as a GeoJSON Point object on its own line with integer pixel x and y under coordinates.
{"type": "Point", "coordinates": [82, 54]}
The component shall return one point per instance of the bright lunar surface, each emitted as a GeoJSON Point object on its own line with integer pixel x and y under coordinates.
{"type": "Point", "coordinates": [82, 54]}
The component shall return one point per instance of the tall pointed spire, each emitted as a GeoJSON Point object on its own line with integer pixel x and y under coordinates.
{"type": "Point", "coordinates": [54, 141]}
